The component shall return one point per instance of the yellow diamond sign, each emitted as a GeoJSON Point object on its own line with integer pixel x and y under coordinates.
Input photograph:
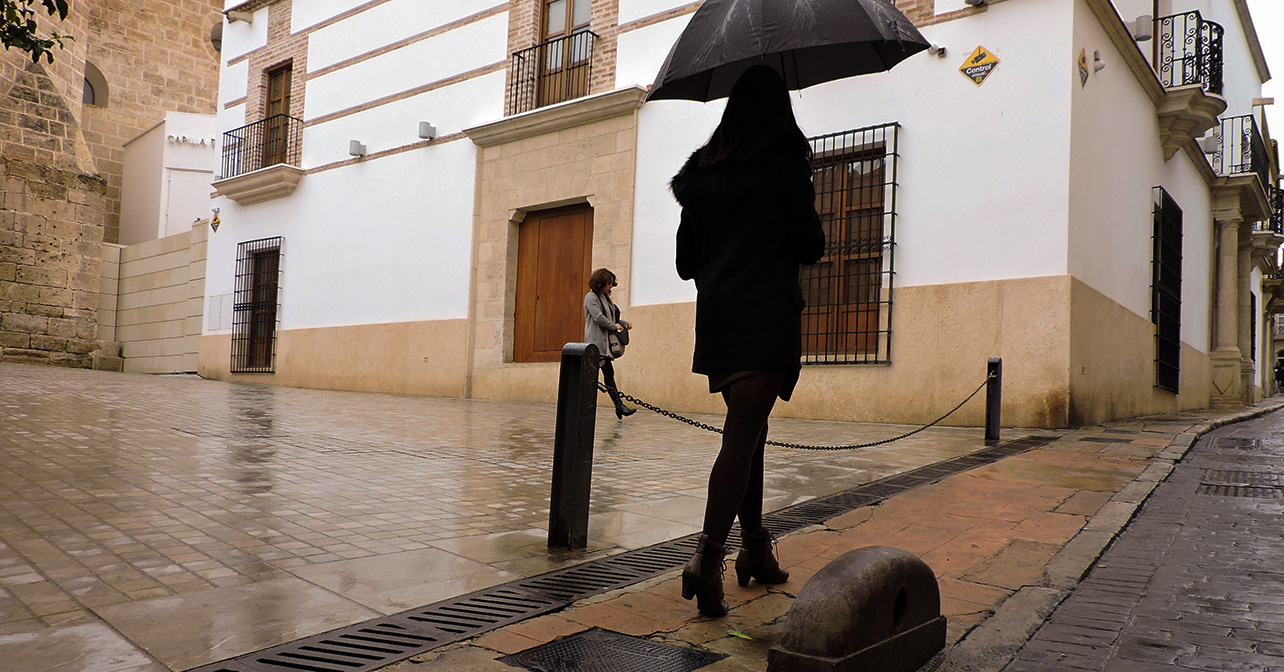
{"type": "Point", "coordinates": [979, 65]}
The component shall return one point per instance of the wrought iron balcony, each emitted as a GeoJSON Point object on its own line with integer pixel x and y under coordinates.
{"type": "Point", "coordinates": [1241, 150]}
{"type": "Point", "coordinates": [1189, 51]}
{"type": "Point", "coordinates": [264, 143]}
{"type": "Point", "coordinates": [1277, 209]}
{"type": "Point", "coordinates": [555, 71]}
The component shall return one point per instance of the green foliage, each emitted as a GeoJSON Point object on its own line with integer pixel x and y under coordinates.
{"type": "Point", "coordinates": [18, 27]}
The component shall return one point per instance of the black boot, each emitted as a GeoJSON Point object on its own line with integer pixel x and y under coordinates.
{"type": "Point", "coordinates": [702, 577]}
{"type": "Point", "coordinates": [757, 560]}
{"type": "Point", "coordinates": [622, 411]}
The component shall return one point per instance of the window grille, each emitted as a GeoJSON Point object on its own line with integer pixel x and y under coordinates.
{"type": "Point", "coordinates": [255, 305]}
{"type": "Point", "coordinates": [849, 291]}
{"type": "Point", "coordinates": [1165, 294]}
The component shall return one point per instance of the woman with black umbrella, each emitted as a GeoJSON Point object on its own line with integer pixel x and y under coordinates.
{"type": "Point", "coordinates": [748, 221]}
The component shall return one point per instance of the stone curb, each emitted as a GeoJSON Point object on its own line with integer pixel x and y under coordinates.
{"type": "Point", "coordinates": [993, 644]}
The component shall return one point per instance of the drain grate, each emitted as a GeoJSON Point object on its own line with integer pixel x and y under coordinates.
{"type": "Point", "coordinates": [1236, 483]}
{"type": "Point", "coordinates": [1240, 491]}
{"type": "Point", "coordinates": [600, 650]}
{"type": "Point", "coordinates": [1105, 439]}
{"type": "Point", "coordinates": [1236, 443]}
{"type": "Point", "coordinates": [387, 639]}
{"type": "Point", "coordinates": [1259, 460]}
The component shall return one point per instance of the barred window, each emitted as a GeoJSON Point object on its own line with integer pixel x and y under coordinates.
{"type": "Point", "coordinates": [1165, 290]}
{"type": "Point", "coordinates": [849, 291]}
{"type": "Point", "coordinates": [255, 305]}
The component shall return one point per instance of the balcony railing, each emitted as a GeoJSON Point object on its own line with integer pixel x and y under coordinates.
{"type": "Point", "coordinates": [263, 143]}
{"type": "Point", "coordinates": [1189, 51]}
{"type": "Point", "coordinates": [1277, 209]}
{"type": "Point", "coordinates": [1241, 149]}
{"type": "Point", "coordinates": [555, 71]}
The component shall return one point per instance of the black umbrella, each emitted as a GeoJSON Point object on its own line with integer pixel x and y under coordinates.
{"type": "Point", "coordinates": [806, 41]}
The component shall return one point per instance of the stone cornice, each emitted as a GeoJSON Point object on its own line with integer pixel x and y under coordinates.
{"type": "Point", "coordinates": [1239, 197]}
{"type": "Point", "coordinates": [1186, 113]}
{"type": "Point", "coordinates": [1254, 45]}
{"type": "Point", "coordinates": [260, 185]}
{"type": "Point", "coordinates": [1266, 246]}
{"type": "Point", "coordinates": [557, 117]}
{"type": "Point", "coordinates": [1118, 33]}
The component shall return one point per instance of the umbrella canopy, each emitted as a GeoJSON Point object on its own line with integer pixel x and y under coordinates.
{"type": "Point", "coordinates": [807, 41]}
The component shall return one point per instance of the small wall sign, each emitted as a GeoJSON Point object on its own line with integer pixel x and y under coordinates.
{"type": "Point", "coordinates": [979, 65]}
{"type": "Point", "coordinates": [1083, 68]}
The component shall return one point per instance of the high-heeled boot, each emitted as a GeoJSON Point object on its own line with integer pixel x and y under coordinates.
{"type": "Point", "coordinates": [702, 577]}
{"type": "Point", "coordinates": [757, 559]}
{"type": "Point", "coordinates": [621, 411]}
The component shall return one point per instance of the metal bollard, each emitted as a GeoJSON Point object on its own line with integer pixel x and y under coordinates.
{"type": "Point", "coordinates": [573, 447]}
{"type": "Point", "coordinates": [993, 398]}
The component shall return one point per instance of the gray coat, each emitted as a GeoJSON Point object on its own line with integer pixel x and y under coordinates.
{"type": "Point", "coordinates": [600, 317]}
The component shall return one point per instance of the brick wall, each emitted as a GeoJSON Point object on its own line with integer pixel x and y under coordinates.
{"type": "Point", "coordinates": [52, 213]}
{"type": "Point", "coordinates": [524, 31]}
{"type": "Point", "coordinates": [282, 48]}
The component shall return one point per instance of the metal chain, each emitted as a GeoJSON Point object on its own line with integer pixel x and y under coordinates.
{"type": "Point", "coordinates": [781, 444]}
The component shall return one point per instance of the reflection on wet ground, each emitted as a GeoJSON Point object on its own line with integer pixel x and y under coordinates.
{"type": "Point", "coordinates": [165, 522]}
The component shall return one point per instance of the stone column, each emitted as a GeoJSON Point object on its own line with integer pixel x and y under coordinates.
{"type": "Point", "coordinates": [1244, 276]}
{"type": "Point", "coordinates": [1227, 382]}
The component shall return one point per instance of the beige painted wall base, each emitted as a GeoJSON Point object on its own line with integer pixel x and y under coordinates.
{"type": "Point", "coordinates": [1070, 356]}
{"type": "Point", "coordinates": [1112, 364]}
{"type": "Point", "coordinates": [427, 358]}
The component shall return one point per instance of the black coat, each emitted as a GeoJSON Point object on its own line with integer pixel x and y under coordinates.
{"type": "Point", "coordinates": [746, 227]}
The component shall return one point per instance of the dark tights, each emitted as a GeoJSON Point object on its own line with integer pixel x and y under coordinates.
{"type": "Point", "coordinates": [735, 484]}
{"type": "Point", "coordinates": [608, 377]}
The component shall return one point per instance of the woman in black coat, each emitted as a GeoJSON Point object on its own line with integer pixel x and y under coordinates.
{"type": "Point", "coordinates": [748, 221]}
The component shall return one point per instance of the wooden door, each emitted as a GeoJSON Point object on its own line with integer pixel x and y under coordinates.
{"type": "Point", "coordinates": [567, 50]}
{"type": "Point", "coordinates": [267, 265]}
{"type": "Point", "coordinates": [554, 250]}
{"type": "Point", "coordinates": [276, 115]}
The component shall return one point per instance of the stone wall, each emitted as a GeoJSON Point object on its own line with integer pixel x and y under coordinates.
{"type": "Point", "coordinates": [52, 212]}
{"type": "Point", "coordinates": [157, 58]}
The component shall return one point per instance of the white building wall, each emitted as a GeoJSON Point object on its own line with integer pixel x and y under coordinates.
{"type": "Point", "coordinates": [376, 27]}
{"type": "Point", "coordinates": [1242, 83]}
{"type": "Point", "coordinates": [384, 241]}
{"type": "Point", "coordinates": [167, 175]}
{"type": "Point", "coordinates": [472, 46]}
{"type": "Point", "coordinates": [973, 204]}
{"type": "Point", "coordinates": [240, 37]}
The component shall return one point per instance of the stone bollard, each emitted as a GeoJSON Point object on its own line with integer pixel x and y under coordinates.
{"type": "Point", "coordinates": [874, 609]}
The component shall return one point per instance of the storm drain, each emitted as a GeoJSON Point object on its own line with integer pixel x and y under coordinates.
{"type": "Point", "coordinates": [1105, 439]}
{"type": "Point", "coordinates": [1234, 483]}
{"type": "Point", "coordinates": [600, 650]}
{"type": "Point", "coordinates": [387, 639]}
{"type": "Point", "coordinates": [1236, 443]}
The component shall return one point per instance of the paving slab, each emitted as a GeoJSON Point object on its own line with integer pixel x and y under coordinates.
{"type": "Point", "coordinates": [152, 522]}
{"type": "Point", "coordinates": [1008, 542]}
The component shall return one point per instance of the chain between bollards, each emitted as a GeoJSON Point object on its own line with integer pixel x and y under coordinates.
{"type": "Point", "coordinates": [990, 376]}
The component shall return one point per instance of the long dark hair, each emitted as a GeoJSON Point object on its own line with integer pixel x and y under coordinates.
{"type": "Point", "coordinates": [758, 113]}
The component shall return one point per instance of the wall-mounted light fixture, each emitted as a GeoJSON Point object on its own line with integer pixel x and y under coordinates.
{"type": "Point", "coordinates": [1143, 28]}
{"type": "Point", "coordinates": [975, 3]}
{"type": "Point", "coordinates": [1097, 64]}
{"type": "Point", "coordinates": [427, 131]}
{"type": "Point", "coordinates": [936, 50]}
{"type": "Point", "coordinates": [356, 148]}
{"type": "Point", "coordinates": [247, 17]}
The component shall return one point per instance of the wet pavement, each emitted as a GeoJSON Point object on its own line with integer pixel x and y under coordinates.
{"type": "Point", "coordinates": [1008, 543]}
{"type": "Point", "coordinates": [1196, 581]}
{"type": "Point", "coordinates": [152, 523]}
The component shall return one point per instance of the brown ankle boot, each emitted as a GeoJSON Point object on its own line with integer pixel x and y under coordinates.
{"type": "Point", "coordinates": [702, 577]}
{"type": "Point", "coordinates": [757, 559]}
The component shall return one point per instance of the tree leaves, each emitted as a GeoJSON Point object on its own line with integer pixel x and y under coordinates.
{"type": "Point", "coordinates": [19, 28]}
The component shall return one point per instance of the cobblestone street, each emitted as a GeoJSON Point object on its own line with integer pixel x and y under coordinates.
{"type": "Point", "coordinates": [1196, 581]}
